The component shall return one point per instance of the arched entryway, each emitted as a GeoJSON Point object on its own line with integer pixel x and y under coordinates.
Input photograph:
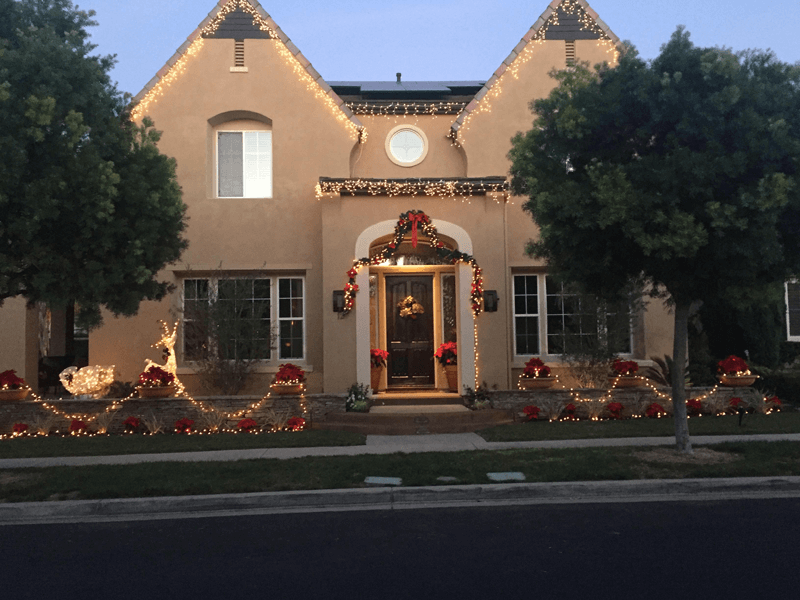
{"type": "Point", "coordinates": [413, 272]}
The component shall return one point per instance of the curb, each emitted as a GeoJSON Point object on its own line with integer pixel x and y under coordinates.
{"type": "Point", "coordinates": [180, 507]}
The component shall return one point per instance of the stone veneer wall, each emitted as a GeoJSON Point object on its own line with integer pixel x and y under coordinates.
{"type": "Point", "coordinates": [167, 410]}
{"type": "Point", "coordinates": [635, 400]}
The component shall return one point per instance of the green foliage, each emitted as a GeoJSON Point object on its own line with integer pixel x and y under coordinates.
{"type": "Point", "coordinates": [680, 173]}
{"type": "Point", "coordinates": [358, 396]}
{"type": "Point", "coordinates": [91, 211]}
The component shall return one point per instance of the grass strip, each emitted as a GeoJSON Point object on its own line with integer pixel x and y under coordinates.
{"type": "Point", "coordinates": [782, 422]}
{"type": "Point", "coordinates": [745, 459]}
{"type": "Point", "coordinates": [35, 447]}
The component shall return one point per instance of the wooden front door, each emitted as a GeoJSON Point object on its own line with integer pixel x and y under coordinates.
{"type": "Point", "coordinates": [409, 330]}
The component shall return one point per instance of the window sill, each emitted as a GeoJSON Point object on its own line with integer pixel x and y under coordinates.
{"type": "Point", "coordinates": [191, 369]}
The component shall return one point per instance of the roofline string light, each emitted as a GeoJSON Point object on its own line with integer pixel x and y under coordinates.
{"type": "Point", "coordinates": [356, 132]}
{"type": "Point", "coordinates": [445, 188]}
{"type": "Point", "coordinates": [495, 89]}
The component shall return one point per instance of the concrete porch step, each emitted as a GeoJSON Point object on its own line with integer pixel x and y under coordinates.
{"type": "Point", "coordinates": [410, 419]}
{"type": "Point", "coordinates": [431, 397]}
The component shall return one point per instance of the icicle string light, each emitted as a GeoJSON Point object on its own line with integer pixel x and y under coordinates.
{"type": "Point", "coordinates": [443, 188]}
{"type": "Point", "coordinates": [494, 87]}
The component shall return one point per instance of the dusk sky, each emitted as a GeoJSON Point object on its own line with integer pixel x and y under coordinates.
{"type": "Point", "coordinates": [430, 40]}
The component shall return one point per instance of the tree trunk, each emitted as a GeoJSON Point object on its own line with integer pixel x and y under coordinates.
{"type": "Point", "coordinates": [681, 337]}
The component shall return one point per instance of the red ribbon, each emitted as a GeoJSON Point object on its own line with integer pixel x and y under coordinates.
{"type": "Point", "coordinates": [414, 219]}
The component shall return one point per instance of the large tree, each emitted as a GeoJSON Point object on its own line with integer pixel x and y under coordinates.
{"type": "Point", "coordinates": [680, 172]}
{"type": "Point", "coordinates": [90, 211]}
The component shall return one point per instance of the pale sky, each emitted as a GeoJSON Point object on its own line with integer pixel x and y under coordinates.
{"type": "Point", "coordinates": [431, 39]}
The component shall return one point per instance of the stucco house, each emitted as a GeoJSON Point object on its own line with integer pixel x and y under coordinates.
{"type": "Point", "coordinates": [333, 203]}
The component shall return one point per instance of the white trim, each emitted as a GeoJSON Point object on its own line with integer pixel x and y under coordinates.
{"type": "Point", "coordinates": [464, 322]}
{"type": "Point", "coordinates": [413, 129]}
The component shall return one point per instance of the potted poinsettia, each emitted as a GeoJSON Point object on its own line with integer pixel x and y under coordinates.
{"type": "Point", "coordinates": [289, 379]}
{"type": "Point", "coordinates": [377, 361]}
{"type": "Point", "coordinates": [447, 355]}
{"type": "Point", "coordinates": [536, 375]}
{"type": "Point", "coordinates": [734, 372]}
{"type": "Point", "coordinates": [13, 388]}
{"type": "Point", "coordinates": [624, 374]}
{"type": "Point", "coordinates": [155, 382]}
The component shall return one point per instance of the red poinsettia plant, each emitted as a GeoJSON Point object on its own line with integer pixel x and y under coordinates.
{"type": "Point", "coordinates": [77, 426]}
{"type": "Point", "coordinates": [772, 403]}
{"type": "Point", "coordinates": [377, 358]}
{"type": "Point", "coordinates": [535, 368]}
{"type": "Point", "coordinates": [532, 412]}
{"type": "Point", "coordinates": [295, 423]}
{"type": "Point", "coordinates": [446, 354]}
{"type": "Point", "coordinates": [184, 425]}
{"type": "Point", "coordinates": [20, 428]}
{"type": "Point", "coordinates": [156, 377]}
{"type": "Point", "coordinates": [625, 368]}
{"type": "Point", "coordinates": [733, 365]}
{"type": "Point", "coordinates": [737, 405]}
{"type": "Point", "coordinates": [289, 374]}
{"type": "Point", "coordinates": [694, 406]}
{"type": "Point", "coordinates": [247, 424]}
{"type": "Point", "coordinates": [10, 381]}
{"type": "Point", "coordinates": [655, 411]}
{"type": "Point", "coordinates": [569, 409]}
{"type": "Point", "coordinates": [615, 409]}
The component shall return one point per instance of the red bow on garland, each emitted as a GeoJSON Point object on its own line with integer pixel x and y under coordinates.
{"type": "Point", "coordinates": [414, 219]}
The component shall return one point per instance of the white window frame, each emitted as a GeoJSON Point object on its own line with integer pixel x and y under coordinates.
{"type": "Point", "coordinates": [544, 349]}
{"type": "Point", "coordinates": [302, 318]}
{"type": "Point", "coordinates": [538, 315]}
{"type": "Point", "coordinates": [789, 336]}
{"type": "Point", "coordinates": [244, 132]}
{"type": "Point", "coordinates": [274, 279]}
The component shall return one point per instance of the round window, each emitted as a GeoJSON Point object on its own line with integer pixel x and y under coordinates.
{"type": "Point", "coordinates": [406, 145]}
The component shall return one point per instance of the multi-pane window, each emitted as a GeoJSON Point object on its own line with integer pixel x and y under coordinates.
{"type": "Point", "coordinates": [526, 314]}
{"type": "Point", "coordinates": [240, 318]}
{"type": "Point", "coordinates": [244, 164]}
{"type": "Point", "coordinates": [793, 311]}
{"type": "Point", "coordinates": [291, 313]}
{"type": "Point", "coordinates": [573, 323]}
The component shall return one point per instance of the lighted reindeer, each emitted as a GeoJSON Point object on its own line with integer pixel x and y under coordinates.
{"type": "Point", "coordinates": [167, 343]}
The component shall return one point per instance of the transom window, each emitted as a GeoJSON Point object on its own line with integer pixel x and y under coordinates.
{"type": "Point", "coordinates": [244, 164]}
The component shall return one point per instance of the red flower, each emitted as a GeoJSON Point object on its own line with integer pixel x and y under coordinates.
{"type": "Point", "coordinates": [290, 374]}
{"type": "Point", "coordinates": [625, 367]}
{"type": "Point", "coordinates": [532, 412]}
{"type": "Point", "coordinates": [570, 408]}
{"type": "Point", "coordinates": [296, 423]}
{"type": "Point", "coordinates": [535, 368]}
{"type": "Point", "coordinates": [774, 400]}
{"type": "Point", "coordinates": [131, 423]}
{"type": "Point", "coordinates": [156, 377]}
{"type": "Point", "coordinates": [77, 426]}
{"type": "Point", "coordinates": [446, 354]}
{"type": "Point", "coordinates": [733, 365]}
{"type": "Point", "coordinates": [377, 357]}
{"type": "Point", "coordinates": [10, 381]}
{"type": "Point", "coordinates": [615, 408]}
{"type": "Point", "coordinates": [654, 410]}
{"type": "Point", "coordinates": [735, 402]}
{"type": "Point", "coordinates": [352, 273]}
{"type": "Point", "coordinates": [184, 425]}
{"type": "Point", "coordinates": [247, 424]}
{"type": "Point", "coordinates": [20, 428]}
{"type": "Point", "coordinates": [694, 406]}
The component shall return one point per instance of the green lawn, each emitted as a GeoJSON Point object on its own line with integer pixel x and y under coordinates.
{"type": "Point", "coordinates": [782, 422]}
{"type": "Point", "coordinates": [312, 473]}
{"type": "Point", "coordinates": [32, 447]}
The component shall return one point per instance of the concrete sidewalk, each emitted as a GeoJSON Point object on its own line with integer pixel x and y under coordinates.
{"type": "Point", "coordinates": [380, 444]}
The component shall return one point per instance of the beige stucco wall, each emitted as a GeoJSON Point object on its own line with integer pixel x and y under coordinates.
{"type": "Point", "coordinates": [19, 340]}
{"type": "Point", "coordinates": [294, 232]}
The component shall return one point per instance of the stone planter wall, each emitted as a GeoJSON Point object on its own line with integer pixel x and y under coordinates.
{"type": "Point", "coordinates": [167, 410]}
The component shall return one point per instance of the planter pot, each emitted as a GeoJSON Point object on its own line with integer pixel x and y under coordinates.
{"type": "Point", "coordinates": [737, 380]}
{"type": "Point", "coordinates": [161, 391]}
{"type": "Point", "coordinates": [624, 381]}
{"type": "Point", "coordinates": [292, 389]}
{"type": "Point", "coordinates": [375, 378]}
{"type": "Point", "coordinates": [451, 371]}
{"type": "Point", "coordinates": [14, 395]}
{"type": "Point", "coordinates": [537, 383]}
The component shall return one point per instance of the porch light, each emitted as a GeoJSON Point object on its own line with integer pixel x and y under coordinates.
{"type": "Point", "coordinates": [490, 300]}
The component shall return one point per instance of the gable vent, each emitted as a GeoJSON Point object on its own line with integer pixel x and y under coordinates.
{"type": "Point", "coordinates": [238, 53]}
{"type": "Point", "coordinates": [570, 52]}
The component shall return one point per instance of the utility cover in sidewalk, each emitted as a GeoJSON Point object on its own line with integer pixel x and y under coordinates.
{"type": "Point", "coordinates": [511, 476]}
{"type": "Point", "coordinates": [383, 481]}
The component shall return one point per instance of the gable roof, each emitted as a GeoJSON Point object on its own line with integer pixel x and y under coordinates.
{"type": "Point", "coordinates": [562, 20]}
{"type": "Point", "coordinates": [243, 19]}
